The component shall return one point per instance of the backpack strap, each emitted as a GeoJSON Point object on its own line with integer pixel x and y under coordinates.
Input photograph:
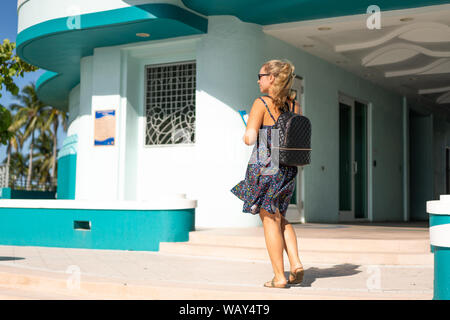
{"type": "Point", "coordinates": [268, 110]}
{"type": "Point", "coordinates": [293, 108]}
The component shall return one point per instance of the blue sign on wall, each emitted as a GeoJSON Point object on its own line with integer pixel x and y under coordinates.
{"type": "Point", "coordinates": [105, 128]}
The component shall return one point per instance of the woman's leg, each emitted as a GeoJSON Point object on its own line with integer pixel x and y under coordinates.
{"type": "Point", "coordinates": [290, 244]}
{"type": "Point", "coordinates": [274, 243]}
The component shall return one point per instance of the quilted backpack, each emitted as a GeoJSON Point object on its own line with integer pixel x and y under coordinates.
{"type": "Point", "coordinates": [294, 138]}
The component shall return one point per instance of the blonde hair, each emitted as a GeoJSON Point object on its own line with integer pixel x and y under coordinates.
{"type": "Point", "coordinates": [283, 71]}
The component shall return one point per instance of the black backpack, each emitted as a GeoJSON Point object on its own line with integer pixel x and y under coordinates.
{"type": "Point", "coordinates": [294, 138]}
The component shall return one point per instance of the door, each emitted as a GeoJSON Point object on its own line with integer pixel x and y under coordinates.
{"type": "Point", "coordinates": [421, 164]}
{"type": "Point", "coordinates": [295, 211]}
{"type": "Point", "coordinates": [353, 154]}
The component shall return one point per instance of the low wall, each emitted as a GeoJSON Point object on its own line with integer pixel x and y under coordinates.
{"type": "Point", "coordinates": [124, 225]}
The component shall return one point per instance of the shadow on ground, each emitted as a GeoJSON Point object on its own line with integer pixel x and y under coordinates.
{"type": "Point", "coordinates": [341, 270]}
{"type": "Point", "coordinates": [10, 258]}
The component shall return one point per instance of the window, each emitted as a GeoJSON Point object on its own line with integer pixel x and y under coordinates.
{"type": "Point", "coordinates": [170, 103]}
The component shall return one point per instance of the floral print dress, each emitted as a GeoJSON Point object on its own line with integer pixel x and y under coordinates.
{"type": "Point", "coordinates": [265, 185]}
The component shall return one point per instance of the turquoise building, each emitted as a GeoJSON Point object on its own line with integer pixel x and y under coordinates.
{"type": "Point", "coordinates": [153, 90]}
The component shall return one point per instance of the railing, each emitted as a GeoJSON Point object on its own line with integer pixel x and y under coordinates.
{"type": "Point", "coordinates": [21, 183]}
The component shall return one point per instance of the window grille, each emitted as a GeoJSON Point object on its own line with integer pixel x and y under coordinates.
{"type": "Point", "coordinates": [170, 103]}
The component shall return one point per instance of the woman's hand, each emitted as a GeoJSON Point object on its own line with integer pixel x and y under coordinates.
{"type": "Point", "coordinates": [250, 137]}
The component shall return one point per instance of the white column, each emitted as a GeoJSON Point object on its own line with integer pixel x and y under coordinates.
{"type": "Point", "coordinates": [81, 126]}
{"type": "Point", "coordinates": [101, 169]}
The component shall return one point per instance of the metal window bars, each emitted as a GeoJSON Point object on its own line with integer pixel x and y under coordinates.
{"type": "Point", "coordinates": [170, 103]}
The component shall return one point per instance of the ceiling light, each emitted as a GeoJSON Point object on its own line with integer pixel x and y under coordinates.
{"type": "Point", "coordinates": [323, 28]}
{"type": "Point", "coordinates": [406, 19]}
{"type": "Point", "coordinates": [143, 35]}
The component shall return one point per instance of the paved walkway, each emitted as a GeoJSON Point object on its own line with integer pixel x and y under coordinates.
{"type": "Point", "coordinates": [62, 273]}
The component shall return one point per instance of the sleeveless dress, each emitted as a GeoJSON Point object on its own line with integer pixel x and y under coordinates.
{"type": "Point", "coordinates": [266, 186]}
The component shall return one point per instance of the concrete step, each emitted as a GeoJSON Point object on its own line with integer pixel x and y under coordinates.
{"type": "Point", "coordinates": [306, 256]}
{"type": "Point", "coordinates": [317, 244]}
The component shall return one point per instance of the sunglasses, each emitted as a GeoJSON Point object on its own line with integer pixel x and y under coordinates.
{"type": "Point", "coordinates": [262, 75]}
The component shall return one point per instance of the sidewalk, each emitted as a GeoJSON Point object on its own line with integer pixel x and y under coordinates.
{"type": "Point", "coordinates": [53, 273]}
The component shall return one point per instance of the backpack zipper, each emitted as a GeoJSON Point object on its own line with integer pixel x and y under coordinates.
{"type": "Point", "coordinates": [291, 148]}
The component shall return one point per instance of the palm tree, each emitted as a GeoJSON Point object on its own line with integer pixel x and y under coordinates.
{"type": "Point", "coordinates": [18, 168]}
{"type": "Point", "coordinates": [15, 142]}
{"type": "Point", "coordinates": [54, 116]}
{"type": "Point", "coordinates": [31, 116]}
{"type": "Point", "coordinates": [43, 159]}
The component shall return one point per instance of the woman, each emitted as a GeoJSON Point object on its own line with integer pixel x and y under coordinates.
{"type": "Point", "coordinates": [269, 194]}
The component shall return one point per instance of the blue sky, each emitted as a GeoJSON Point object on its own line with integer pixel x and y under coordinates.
{"type": "Point", "coordinates": [8, 30]}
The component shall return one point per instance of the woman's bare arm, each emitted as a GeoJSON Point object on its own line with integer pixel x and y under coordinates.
{"type": "Point", "coordinates": [255, 119]}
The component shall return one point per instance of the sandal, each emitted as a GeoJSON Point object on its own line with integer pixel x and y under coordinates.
{"type": "Point", "coordinates": [298, 276]}
{"type": "Point", "coordinates": [272, 284]}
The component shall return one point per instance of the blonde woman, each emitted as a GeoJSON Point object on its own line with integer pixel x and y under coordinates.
{"type": "Point", "coordinates": [269, 194]}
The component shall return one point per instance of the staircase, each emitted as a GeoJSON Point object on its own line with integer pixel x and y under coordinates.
{"type": "Point", "coordinates": [363, 245]}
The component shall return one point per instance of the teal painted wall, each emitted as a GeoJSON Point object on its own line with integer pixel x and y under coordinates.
{"type": "Point", "coordinates": [5, 193]}
{"type": "Point", "coordinates": [441, 283]}
{"type": "Point", "coordinates": [283, 11]}
{"type": "Point", "coordinates": [67, 167]}
{"type": "Point", "coordinates": [110, 229]}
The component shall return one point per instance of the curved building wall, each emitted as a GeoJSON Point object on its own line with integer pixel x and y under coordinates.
{"type": "Point", "coordinates": [31, 12]}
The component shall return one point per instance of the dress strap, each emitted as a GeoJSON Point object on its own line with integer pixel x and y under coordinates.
{"type": "Point", "coordinates": [268, 110]}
